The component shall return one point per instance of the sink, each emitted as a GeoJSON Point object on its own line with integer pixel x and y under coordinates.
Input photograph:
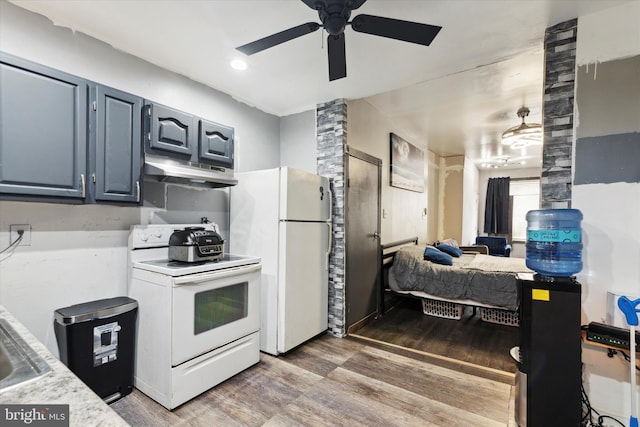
{"type": "Point", "coordinates": [19, 363]}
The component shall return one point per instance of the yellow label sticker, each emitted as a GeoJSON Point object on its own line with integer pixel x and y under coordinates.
{"type": "Point", "coordinates": [540, 294]}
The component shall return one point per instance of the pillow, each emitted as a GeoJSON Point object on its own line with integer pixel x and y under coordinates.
{"type": "Point", "coordinates": [456, 252]}
{"type": "Point", "coordinates": [449, 242]}
{"type": "Point", "coordinates": [434, 255]}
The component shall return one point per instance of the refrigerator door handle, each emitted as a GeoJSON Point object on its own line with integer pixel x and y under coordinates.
{"type": "Point", "coordinates": [330, 245]}
{"type": "Point", "coordinates": [329, 222]}
{"type": "Point", "coordinates": [330, 193]}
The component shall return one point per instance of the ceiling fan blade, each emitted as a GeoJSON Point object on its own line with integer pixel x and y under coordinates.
{"type": "Point", "coordinates": [312, 3]}
{"type": "Point", "coordinates": [337, 57]}
{"type": "Point", "coordinates": [412, 32]}
{"type": "Point", "coordinates": [322, 4]}
{"type": "Point", "coordinates": [354, 4]}
{"type": "Point", "coordinates": [277, 38]}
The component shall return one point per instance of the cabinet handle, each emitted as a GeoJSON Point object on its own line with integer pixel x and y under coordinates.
{"type": "Point", "coordinates": [138, 191]}
{"type": "Point", "coordinates": [82, 183]}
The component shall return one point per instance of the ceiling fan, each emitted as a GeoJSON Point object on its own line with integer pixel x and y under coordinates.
{"type": "Point", "coordinates": [334, 15]}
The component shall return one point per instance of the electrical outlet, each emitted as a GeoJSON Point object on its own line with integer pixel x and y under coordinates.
{"type": "Point", "coordinates": [15, 235]}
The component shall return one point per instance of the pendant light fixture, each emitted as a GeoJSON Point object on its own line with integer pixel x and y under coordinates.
{"type": "Point", "coordinates": [524, 134]}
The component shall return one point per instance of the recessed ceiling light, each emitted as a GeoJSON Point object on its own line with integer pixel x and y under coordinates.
{"type": "Point", "coordinates": [238, 64]}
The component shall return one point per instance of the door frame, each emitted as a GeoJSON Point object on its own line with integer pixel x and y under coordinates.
{"type": "Point", "coordinates": [361, 155]}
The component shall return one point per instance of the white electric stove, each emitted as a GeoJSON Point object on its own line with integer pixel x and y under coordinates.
{"type": "Point", "coordinates": [198, 323]}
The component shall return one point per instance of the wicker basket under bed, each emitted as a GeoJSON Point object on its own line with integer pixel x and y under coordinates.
{"type": "Point", "coordinates": [446, 309]}
{"type": "Point", "coordinates": [503, 317]}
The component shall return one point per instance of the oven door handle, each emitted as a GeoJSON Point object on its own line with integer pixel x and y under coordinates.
{"type": "Point", "coordinates": [219, 274]}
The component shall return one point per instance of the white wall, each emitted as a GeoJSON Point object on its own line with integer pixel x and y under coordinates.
{"type": "Point", "coordinates": [470, 199]}
{"type": "Point", "coordinates": [433, 195]}
{"type": "Point", "coordinates": [450, 198]}
{"type": "Point", "coordinates": [78, 253]}
{"type": "Point", "coordinates": [368, 131]}
{"type": "Point", "coordinates": [611, 230]}
{"type": "Point", "coordinates": [298, 141]}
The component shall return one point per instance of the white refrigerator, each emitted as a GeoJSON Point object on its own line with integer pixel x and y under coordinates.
{"type": "Point", "coordinates": [283, 215]}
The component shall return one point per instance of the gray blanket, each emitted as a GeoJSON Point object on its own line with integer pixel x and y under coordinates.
{"type": "Point", "coordinates": [481, 278]}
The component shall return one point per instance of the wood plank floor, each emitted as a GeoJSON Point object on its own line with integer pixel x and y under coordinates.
{"type": "Point", "coordinates": [466, 344]}
{"type": "Point", "coordinates": [331, 381]}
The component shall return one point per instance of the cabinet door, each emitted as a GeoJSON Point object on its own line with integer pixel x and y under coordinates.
{"type": "Point", "coordinates": [215, 144]}
{"type": "Point", "coordinates": [118, 151]}
{"type": "Point", "coordinates": [169, 132]}
{"type": "Point", "coordinates": [43, 131]}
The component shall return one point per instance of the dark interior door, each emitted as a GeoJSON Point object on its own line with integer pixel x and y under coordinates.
{"type": "Point", "coordinates": [362, 236]}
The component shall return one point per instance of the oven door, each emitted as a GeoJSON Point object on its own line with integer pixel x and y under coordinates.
{"type": "Point", "coordinates": [213, 309]}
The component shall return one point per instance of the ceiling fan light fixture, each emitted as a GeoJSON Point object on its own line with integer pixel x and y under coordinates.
{"type": "Point", "coordinates": [502, 162]}
{"type": "Point", "coordinates": [524, 134]}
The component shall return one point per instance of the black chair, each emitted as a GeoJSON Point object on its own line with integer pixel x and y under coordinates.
{"type": "Point", "coordinates": [498, 246]}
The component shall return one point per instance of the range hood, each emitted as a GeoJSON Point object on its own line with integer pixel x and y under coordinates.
{"type": "Point", "coordinates": [182, 172]}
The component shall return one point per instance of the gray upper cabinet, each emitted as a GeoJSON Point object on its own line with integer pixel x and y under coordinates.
{"type": "Point", "coordinates": [177, 135]}
{"type": "Point", "coordinates": [215, 144]}
{"type": "Point", "coordinates": [43, 131]}
{"type": "Point", "coordinates": [117, 170]}
{"type": "Point", "coordinates": [66, 139]}
{"type": "Point", "coordinates": [169, 132]}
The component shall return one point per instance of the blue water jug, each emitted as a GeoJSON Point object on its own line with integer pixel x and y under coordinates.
{"type": "Point", "coordinates": [554, 242]}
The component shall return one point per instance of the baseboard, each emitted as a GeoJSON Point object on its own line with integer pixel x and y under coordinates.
{"type": "Point", "coordinates": [362, 322]}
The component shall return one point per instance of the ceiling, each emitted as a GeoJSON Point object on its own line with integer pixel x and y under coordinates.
{"type": "Point", "coordinates": [454, 97]}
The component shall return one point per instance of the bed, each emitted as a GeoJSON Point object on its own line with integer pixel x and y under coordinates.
{"type": "Point", "coordinates": [475, 279]}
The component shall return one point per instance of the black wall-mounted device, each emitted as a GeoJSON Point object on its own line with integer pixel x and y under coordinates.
{"type": "Point", "coordinates": [611, 335]}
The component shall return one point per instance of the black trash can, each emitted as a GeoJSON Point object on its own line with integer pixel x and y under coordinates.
{"type": "Point", "coordinates": [96, 341]}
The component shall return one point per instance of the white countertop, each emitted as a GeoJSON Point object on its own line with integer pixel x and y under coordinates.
{"type": "Point", "coordinates": [60, 386]}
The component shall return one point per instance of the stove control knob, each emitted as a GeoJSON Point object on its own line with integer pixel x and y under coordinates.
{"type": "Point", "coordinates": [144, 237]}
{"type": "Point", "coordinates": [157, 233]}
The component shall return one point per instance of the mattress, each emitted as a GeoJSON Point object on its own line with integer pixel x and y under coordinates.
{"type": "Point", "coordinates": [477, 278]}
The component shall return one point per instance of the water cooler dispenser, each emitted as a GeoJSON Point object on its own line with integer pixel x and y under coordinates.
{"type": "Point", "coordinates": [550, 371]}
{"type": "Point", "coordinates": [549, 377]}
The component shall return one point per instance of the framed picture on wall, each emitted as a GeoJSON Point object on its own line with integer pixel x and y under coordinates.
{"type": "Point", "coordinates": [407, 165]}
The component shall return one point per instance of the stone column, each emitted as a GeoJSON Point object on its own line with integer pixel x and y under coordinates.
{"type": "Point", "coordinates": [559, 82]}
{"type": "Point", "coordinates": [331, 131]}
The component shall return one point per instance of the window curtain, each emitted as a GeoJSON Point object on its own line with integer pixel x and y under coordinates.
{"type": "Point", "coordinates": [496, 211]}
